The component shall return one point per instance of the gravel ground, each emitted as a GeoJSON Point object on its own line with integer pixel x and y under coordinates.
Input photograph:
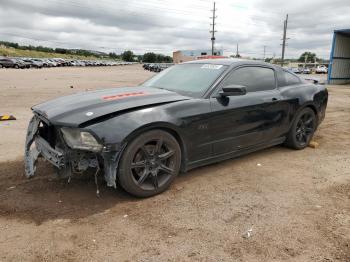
{"type": "Point", "coordinates": [273, 205]}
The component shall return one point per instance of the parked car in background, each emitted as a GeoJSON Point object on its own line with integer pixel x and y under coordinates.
{"type": "Point", "coordinates": [33, 63]}
{"type": "Point", "coordinates": [321, 69]}
{"type": "Point", "coordinates": [50, 63]}
{"type": "Point", "coordinates": [11, 63]}
{"type": "Point", "coordinates": [6, 62]}
{"type": "Point", "coordinates": [47, 62]}
{"type": "Point", "coordinates": [295, 70]}
{"type": "Point", "coordinates": [80, 63]}
{"type": "Point", "coordinates": [156, 67]}
{"type": "Point", "coordinates": [189, 115]}
{"type": "Point", "coordinates": [23, 62]}
{"type": "Point", "coordinates": [306, 71]}
{"type": "Point", "coordinates": [59, 62]}
{"type": "Point", "coordinates": [28, 62]}
{"type": "Point", "coordinates": [38, 62]}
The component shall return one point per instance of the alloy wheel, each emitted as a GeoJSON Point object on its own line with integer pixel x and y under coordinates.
{"type": "Point", "coordinates": [153, 164]}
{"type": "Point", "coordinates": [305, 128]}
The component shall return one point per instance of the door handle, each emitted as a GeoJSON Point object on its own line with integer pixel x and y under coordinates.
{"type": "Point", "coordinates": [270, 100]}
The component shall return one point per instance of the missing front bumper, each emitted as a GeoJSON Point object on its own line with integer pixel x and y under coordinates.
{"type": "Point", "coordinates": [36, 146]}
{"type": "Point", "coordinates": [66, 161]}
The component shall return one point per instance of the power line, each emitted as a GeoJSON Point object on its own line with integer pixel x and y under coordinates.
{"type": "Point", "coordinates": [145, 8]}
{"type": "Point", "coordinates": [151, 4]}
{"type": "Point", "coordinates": [213, 31]}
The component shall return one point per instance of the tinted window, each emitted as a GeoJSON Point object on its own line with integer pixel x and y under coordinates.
{"type": "Point", "coordinates": [189, 79]}
{"type": "Point", "coordinates": [253, 78]}
{"type": "Point", "coordinates": [291, 79]}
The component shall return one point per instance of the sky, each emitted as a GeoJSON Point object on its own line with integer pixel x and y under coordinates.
{"type": "Point", "coordinates": [163, 26]}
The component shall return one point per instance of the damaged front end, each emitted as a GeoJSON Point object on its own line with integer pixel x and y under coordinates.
{"type": "Point", "coordinates": [69, 150]}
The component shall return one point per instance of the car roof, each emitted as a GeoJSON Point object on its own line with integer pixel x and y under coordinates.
{"type": "Point", "coordinates": [229, 62]}
{"type": "Point", "coordinates": [219, 61]}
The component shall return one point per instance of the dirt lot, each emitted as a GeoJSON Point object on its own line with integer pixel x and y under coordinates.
{"type": "Point", "coordinates": [296, 203]}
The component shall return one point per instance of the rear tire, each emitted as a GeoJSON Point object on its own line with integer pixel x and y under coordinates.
{"type": "Point", "coordinates": [302, 130]}
{"type": "Point", "coordinates": [150, 163]}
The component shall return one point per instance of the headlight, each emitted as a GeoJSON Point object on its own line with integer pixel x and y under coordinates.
{"type": "Point", "coordinates": [78, 139]}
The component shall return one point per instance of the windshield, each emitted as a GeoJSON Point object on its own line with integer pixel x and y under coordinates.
{"type": "Point", "coordinates": [188, 79]}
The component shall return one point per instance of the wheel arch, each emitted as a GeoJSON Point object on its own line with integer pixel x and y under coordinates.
{"type": "Point", "coordinates": [312, 107]}
{"type": "Point", "coordinates": [167, 127]}
{"type": "Point", "coordinates": [302, 107]}
{"type": "Point", "coordinates": [290, 136]}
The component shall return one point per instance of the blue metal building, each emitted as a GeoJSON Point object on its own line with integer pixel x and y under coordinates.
{"type": "Point", "coordinates": [339, 64]}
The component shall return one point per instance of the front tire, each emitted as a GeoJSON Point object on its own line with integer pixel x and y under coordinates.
{"type": "Point", "coordinates": [302, 130]}
{"type": "Point", "coordinates": [150, 163]}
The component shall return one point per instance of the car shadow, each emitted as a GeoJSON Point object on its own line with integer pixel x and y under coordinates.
{"type": "Point", "coordinates": [46, 197]}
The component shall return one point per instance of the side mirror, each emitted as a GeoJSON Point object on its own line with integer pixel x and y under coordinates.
{"type": "Point", "coordinates": [233, 90]}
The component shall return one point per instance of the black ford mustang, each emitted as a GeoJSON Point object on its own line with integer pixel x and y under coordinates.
{"type": "Point", "coordinates": [187, 116]}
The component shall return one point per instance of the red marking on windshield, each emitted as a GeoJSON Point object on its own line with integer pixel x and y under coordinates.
{"type": "Point", "coordinates": [121, 96]}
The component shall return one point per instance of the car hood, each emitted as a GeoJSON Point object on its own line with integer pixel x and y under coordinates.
{"type": "Point", "coordinates": [74, 110]}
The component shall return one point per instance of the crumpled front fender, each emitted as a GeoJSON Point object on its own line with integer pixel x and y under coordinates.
{"type": "Point", "coordinates": [31, 155]}
{"type": "Point", "coordinates": [67, 161]}
{"type": "Point", "coordinates": [110, 163]}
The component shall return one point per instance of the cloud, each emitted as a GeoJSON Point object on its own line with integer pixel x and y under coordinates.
{"type": "Point", "coordinates": [165, 26]}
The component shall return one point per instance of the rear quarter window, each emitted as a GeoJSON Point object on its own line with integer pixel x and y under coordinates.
{"type": "Point", "coordinates": [286, 78]}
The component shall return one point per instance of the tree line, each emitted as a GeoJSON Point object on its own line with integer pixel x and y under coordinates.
{"type": "Point", "coordinates": [149, 57]}
{"type": "Point", "coordinates": [305, 57]}
{"type": "Point", "coordinates": [127, 56]}
{"type": "Point", "coordinates": [52, 50]}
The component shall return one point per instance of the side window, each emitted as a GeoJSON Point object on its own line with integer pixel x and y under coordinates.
{"type": "Point", "coordinates": [291, 79]}
{"type": "Point", "coordinates": [287, 79]}
{"type": "Point", "coordinates": [253, 78]}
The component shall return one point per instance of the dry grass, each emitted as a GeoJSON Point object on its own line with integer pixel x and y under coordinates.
{"type": "Point", "coordinates": [13, 52]}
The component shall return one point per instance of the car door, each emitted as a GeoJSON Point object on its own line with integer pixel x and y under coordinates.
{"type": "Point", "coordinates": [8, 63]}
{"type": "Point", "coordinates": [243, 121]}
{"type": "Point", "coordinates": [4, 62]}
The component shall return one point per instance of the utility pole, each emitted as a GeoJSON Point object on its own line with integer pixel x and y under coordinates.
{"type": "Point", "coordinates": [213, 30]}
{"type": "Point", "coordinates": [284, 40]}
{"type": "Point", "coordinates": [305, 60]}
{"type": "Point", "coordinates": [264, 51]}
{"type": "Point", "coordinates": [237, 53]}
